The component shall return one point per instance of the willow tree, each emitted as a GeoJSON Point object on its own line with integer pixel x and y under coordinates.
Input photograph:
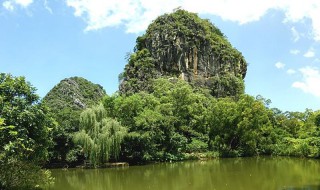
{"type": "Point", "coordinates": [99, 136]}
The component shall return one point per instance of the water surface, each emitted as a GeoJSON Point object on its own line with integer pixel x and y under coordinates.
{"type": "Point", "coordinates": [221, 174]}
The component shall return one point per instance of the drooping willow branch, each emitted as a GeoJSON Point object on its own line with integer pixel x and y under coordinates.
{"type": "Point", "coordinates": [99, 136]}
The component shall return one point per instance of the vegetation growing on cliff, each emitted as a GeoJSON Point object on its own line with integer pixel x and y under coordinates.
{"type": "Point", "coordinates": [183, 45]}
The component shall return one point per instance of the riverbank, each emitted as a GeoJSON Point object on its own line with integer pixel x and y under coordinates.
{"type": "Point", "coordinates": [125, 163]}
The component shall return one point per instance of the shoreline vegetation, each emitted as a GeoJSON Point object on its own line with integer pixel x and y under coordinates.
{"type": "Point", "coordinates": [194, 107]}
{"type": "Point", "coordinates": [176, 122]}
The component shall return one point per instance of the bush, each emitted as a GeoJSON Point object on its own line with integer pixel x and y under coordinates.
{"type": "Point", "coordinates": [17, 174]}
{"type": "Point", "coordinates": [197, 146]}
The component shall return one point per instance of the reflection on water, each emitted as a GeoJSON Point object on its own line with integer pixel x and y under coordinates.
{"type": "Point", "coordinates": [235, 173]}
{"type": "Point", "coordinates": [306, 187]}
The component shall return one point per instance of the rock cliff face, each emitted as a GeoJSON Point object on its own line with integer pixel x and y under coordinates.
{"type": "Point", "coordinates": [183, 45]}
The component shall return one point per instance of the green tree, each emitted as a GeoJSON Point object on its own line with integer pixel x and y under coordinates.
{"type": "Point", "coordinates": [185, 107]}
{"type": "Point", "coordinates": [302, 137]}
{"type": "Point", "coordinates": [314, 120]}
{"type": "Point", "coordinates": [25, 136]}
{"type": "Point", "coordinates": [236, 127]}
{"type": "Point", "coordinates": [138, 73]}
{"type": "Point", "coordinates": [162, 124]}
{"type": "Point", "coordinates": [222, 117]}
{"type": "Point", "coordinates": [99, 136]}
{"type": "Point", "coordinates": [225, 86]}
{"type": "Point", "coordinates": [254, 125]}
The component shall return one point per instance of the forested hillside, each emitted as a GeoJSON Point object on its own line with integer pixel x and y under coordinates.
{"type": "Point", "coordinates": [67, 100]}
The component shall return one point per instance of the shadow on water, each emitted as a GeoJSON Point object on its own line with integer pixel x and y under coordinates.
{"type": "Point", "coordinates": [263, 173]}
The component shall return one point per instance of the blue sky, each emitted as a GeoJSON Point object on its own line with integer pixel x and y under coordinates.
{"type": "Point", "coordinates": [47, 41]}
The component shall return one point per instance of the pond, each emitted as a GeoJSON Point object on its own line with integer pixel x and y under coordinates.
{"type": "Point", "coordinates": [261, 173]}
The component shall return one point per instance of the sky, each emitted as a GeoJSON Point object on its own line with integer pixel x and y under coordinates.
{"type": "Point", "coordinates": [49, 40]}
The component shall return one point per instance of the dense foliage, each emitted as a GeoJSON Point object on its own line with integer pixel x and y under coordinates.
{"type": "Point", "coordinates": [176, 121]}
{"type": "Point", "coordinates": [172, 121]}
{"type": "Point", "coordinates": [182, 45]}
{"type": "Point", "coordinates": [164, 124]}
{"type": "Point", "coordinates": [67, 100]}
{"type": "Point", "coordinates": [25, 135]}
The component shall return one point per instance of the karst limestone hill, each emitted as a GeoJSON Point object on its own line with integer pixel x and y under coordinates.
{"type": "Point", "coordinates": [183, 45]}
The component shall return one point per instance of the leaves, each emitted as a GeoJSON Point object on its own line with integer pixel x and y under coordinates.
{"type": "Point", "coordinates": [99, 136]}
{"type": "Point", "coordinates": [24, 123]}
{"type": "Point", "coordinates": [161, 123]}
{"type": "Point", "coordinates": [24, 135]}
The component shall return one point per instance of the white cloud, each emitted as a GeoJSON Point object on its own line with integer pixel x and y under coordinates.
{"type": "Point", "coordinates": [23, 3]}
{"type": "Point", "coordinates": [295, 51]}
{"type": "Point", "coordinates": [10, 4]}
{"type": "Point", "coordinates": [46, 6]}
{"type": "Point", "coordinates": [291, 71]}
{"type": "Point", "coordinates": [135, 15]}
{"type": "Point", "coordinates": [297, 10]}
{"type": "Point", "coordinates": [295, 34]}
{"type": "Point", "coordinates": [280, 65]}
{"type": "Point", "coordinates": [310, 53]}
{"type": "Point", "coordinates": [310, 81]}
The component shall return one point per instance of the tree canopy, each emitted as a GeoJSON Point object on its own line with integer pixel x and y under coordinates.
{"type": "Point", "coordinates": [25, 133]}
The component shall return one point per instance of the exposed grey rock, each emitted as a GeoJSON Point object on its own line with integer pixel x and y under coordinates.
{"type": "Point", "coordinates": [182, 45]}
